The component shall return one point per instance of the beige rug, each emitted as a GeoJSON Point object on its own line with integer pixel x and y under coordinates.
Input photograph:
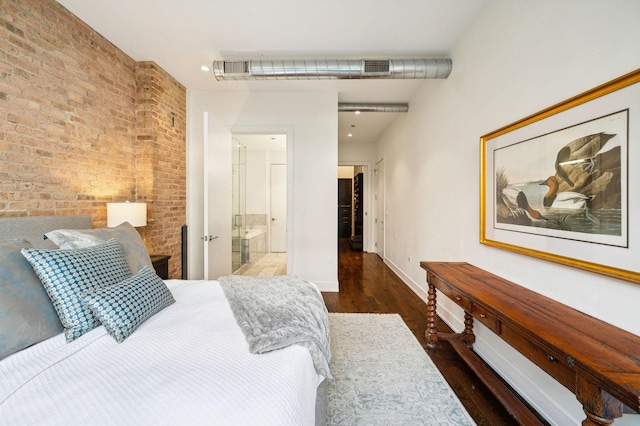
{"type": "Point", "coordinates": [382, 376]}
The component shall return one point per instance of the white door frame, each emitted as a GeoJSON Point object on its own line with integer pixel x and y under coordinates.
{"type": "Point", "coordinates": [205, 204]}
{"type": "Point", "coordinates": [273, 217]}
{"type": "Point", "coordinates": [279, 130]}
{"type": "Point", "coordinates": [380, 212]}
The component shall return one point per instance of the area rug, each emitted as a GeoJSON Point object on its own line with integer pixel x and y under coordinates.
{"type": "Point", "coordinates": [383, 376]}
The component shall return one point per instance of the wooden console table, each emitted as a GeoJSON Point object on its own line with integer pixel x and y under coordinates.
{"type": "Point", "coordinates": [596, 361]}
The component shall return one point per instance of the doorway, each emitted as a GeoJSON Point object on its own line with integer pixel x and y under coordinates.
{"type": "Point", "coordinates": [352, 205]}
{"type": "Point", "coordinates": [259, 221]}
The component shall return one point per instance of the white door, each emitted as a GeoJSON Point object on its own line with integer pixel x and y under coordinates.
{"type": "Point", "coordinates": [278, 206]}
{"type": "Point", "coordinates": [217, 199]}
{"type": "Point", "coordinates": [380, 210]}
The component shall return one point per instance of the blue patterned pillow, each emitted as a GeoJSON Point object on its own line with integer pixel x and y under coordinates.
{"type": "Point", "coordinates": [66, 274]}
{"type": "Point", "coordinates": [26, 313]}
{"type": "Point", "coordinates": [122, 307]}
{"type": "Point", "coordinates": [129, 239]}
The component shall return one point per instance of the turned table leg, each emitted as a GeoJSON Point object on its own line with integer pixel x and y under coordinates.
{"type": "Point", "coordinates": [600, 407]}
{"type": "Point", "coordinates": [431, 333]}
{"type": "Point", "coordinates": [593, 420]}
{"type": "Point", "coordinates": [468, 336]}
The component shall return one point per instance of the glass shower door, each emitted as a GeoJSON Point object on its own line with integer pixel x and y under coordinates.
{"type": "Point", "coordinates": [240, 253]}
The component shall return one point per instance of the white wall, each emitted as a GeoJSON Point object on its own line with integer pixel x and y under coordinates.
{"type": "Point", "coordinates": [310, 121]}
{"type": "Point", "coordinates": [362, 154]}
{"type": "Point", "coordinates": [257, 182]}
{"type": "Point", "coordinates": [517, 58]}
{"type": "Point", "coordinates": [259, 178]}
{"type": "Point", "coordinates": [353, 152]}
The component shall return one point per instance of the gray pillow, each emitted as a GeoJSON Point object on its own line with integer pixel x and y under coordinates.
{"type": "Point", "coordinates": [68, 273]}
{"type": "Point", "coordinates": [125, 234]}
{"type": "Point", "coordinates": [26, 312]}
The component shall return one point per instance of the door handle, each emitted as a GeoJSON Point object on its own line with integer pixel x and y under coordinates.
{"type": "Point", "coordinates": [208, 238]}
{"type": "Point", "coordinates": [273, 219]}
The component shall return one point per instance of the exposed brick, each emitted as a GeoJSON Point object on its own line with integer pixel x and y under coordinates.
{"type": "Point", "coordinates": [82, 124]}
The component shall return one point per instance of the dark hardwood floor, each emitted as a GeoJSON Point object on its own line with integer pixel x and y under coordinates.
{"type": "Point", "coordinates": [368, 285]}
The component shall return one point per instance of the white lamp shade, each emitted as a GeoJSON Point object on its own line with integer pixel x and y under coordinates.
{"type": "Point", "coordinates": [134, 213]}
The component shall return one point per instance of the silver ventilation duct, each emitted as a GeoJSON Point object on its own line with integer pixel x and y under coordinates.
{"type": "Point", "coordinates": [372, 107]}
{"type": "Point", "coordinates": [332, 69]}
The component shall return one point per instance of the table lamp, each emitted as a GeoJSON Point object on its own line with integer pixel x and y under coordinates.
{"type": "Point", "coordinates": [134, 213]}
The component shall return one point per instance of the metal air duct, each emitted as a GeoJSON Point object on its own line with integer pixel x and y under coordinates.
{"type": "Point", "coordinates": [372, 107]}
{"type": "Point", "coordinates": [331, 69]}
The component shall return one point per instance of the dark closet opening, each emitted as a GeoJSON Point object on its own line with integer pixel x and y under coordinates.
{"type": "Point", "coordinates": [344, 208]}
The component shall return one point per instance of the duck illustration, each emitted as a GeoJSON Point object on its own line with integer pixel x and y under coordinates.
{"type": "Point", "coordinates": [565, 199]}
{"type": "Point", "coordinates": [580, 152]}
{"type": "Point", "coordinates": [517, 203]}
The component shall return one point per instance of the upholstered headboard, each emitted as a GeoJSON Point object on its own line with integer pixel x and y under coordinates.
{"type": "Point", "coordinates": [33, 228]}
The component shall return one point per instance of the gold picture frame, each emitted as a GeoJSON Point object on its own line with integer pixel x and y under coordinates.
{"type": "Point", "coordinates": [557, 185]}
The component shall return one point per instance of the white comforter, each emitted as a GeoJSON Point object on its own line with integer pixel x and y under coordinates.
{"type": "Point", "coordinates": [187, 365]}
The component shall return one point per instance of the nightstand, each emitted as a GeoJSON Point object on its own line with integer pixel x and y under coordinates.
{"type": "Point", "coordinates": [161, 265]}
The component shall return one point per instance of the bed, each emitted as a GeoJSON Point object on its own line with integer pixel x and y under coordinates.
{"type": "Point", "coordinates": [191, 360]}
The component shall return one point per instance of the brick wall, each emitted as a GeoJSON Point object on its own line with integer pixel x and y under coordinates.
{"type": "Point", "coordinates": [82, 123]}
{"type": "Point", "coordinates": [161, 158]}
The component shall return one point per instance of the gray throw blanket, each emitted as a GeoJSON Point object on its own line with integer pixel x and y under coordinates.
{"type": "Point", "coordinates": [276, 312]}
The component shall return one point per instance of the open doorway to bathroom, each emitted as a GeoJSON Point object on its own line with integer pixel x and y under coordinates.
{"type": "Point", "coordinates": [259, 231]}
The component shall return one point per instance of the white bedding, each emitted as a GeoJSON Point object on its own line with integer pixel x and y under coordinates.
{"type": "Point", "coordinates": [189, 364]}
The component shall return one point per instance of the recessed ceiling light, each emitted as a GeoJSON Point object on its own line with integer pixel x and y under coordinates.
{"type": "Point", "coordinates": [204, 68]}
{"type": "Point", "coordinates": [357, 112]}
{"type": "Point", "coordinates": [349, 135]}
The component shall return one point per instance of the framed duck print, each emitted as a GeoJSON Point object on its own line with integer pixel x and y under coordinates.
{"type": "Point", "coordinates": [562, 184]}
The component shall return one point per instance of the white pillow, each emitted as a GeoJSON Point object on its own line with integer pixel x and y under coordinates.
{"type": "Point", "coordinates": [132, 245]}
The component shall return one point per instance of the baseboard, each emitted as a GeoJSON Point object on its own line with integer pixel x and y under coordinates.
{"type": "Point", "coordinates": [420, 291]}
{"type": "Point", "coordinates": [509, 364]}
{"type": "Point", "coordinates": [502, 361]}
{"type": "Point", "coordinates": [327, 286]}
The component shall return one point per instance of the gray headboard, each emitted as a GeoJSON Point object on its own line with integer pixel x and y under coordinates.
{"type": "Point", "coordinates": [32, 229]}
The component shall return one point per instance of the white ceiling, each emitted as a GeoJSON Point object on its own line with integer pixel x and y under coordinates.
{"type": "Point", "coordinates": [181, 36]}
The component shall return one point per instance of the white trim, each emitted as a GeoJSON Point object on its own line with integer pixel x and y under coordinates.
{"type": "Point", "coordinates": [502, 363]}
{"type": "Point", "coordinates": [380, 251]}
{"type": "Point", "coordinates": [327, 286]}
{"type": "Point", "coordinates": [205, 175]}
